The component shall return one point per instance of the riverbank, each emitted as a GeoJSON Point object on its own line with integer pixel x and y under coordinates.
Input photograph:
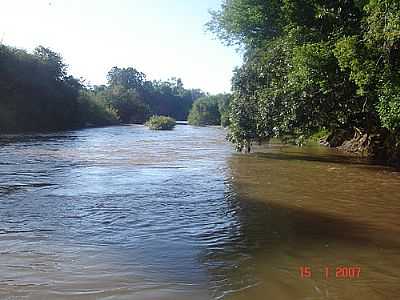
{"type": "Point", "coordinates": [378, 147]}
{"type": "Point", "coordinates": [381, 146]}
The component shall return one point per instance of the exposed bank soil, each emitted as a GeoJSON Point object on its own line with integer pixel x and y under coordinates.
{"type": "Point", "coordinates": [381, 145]}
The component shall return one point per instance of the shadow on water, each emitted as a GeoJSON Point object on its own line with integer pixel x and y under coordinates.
{"type": "Point", "coordinates": [275, 238]}
{"type": "Point", "coordinates": [268, 222]}
{"type": "Point", "coordinates": [330, 157]}
{"type": "Point", "coordinates": [125, 211]}
{"type": "Point", "coordinates": [274, 241]}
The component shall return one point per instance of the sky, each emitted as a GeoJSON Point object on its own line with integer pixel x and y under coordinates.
{"type": "Point", "coordinates": [161, 38]}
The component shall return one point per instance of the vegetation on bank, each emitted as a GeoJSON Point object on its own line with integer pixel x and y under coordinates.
{"type": "Point", "coordinates": [314, 64]}
{"type": "Point", "coordinates": [136, 99]}
{"type": "Point", "coordinates": [161, 123]}
{"type": "Point", "coordinates": [38, 94]}
{"type": "Point", "coordinates": [210, 110]}
{"type": "Point", "coordinates": [95, 111]}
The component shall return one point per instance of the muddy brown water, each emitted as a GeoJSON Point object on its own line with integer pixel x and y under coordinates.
{"type": "Point", "coordinates": [128, 213]}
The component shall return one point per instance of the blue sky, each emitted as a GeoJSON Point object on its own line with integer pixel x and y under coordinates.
{"type": "Point", "coordinates": [162, 38]}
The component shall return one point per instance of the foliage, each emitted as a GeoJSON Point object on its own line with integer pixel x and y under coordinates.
{"type": "Point", "coordinates": [129, 78]}
{"type": "Point", "coordinates": [135, 98]}
{"type": "Point", "coordinates": [224, 109]}
{"type": "Point", "coordinates": [128, 103]}
{"type": "Point", "coordinates": [318, 135]}
{"type": "Point", "coordinates": [95, 110]}
{"type": "Point", "coordinates": [311, 64]}
{"type": "Point", "coordinates": [205, 112]}
{"type": "Point", "coordinates": [210, 110]}
{"type": "Point", "coordinates": [36, 93]}
{"type": "Point", "coordinates": [161, 123]}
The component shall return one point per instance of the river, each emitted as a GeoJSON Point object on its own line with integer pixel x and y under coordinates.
{"type": "Point", "coordinates": [127, 213]}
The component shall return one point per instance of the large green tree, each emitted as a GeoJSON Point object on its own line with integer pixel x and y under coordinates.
{"type": "Point", "coordinates": [210, 110]}
{"type": "Point", "coordinates": [36, 93]}
{"type": "Point", "coordinates": [311, 64]}
{"type": "Point", "coordinates": [136, 98]}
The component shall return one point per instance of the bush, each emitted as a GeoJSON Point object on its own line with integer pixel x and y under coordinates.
{"type": "Point", "coordinates": [161, 123]}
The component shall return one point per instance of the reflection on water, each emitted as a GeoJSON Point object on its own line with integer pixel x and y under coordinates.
{"type": "Point", "coordinates": [128, 213]}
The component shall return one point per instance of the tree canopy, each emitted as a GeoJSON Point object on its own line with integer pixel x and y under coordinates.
{"type": "Point", "coordinates": [312, 64]}
{"type": "Point", "coordinates": [210, 110]}
{"type": "Point", "coordinates": [135, 98]}
{"type": "Point", "coordinates": [38, 94]}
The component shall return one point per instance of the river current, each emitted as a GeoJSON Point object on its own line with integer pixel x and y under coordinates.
{"type": "Point", "coordinates": [128, 213]}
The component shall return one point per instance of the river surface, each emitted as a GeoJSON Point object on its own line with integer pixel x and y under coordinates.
{"type": "Point", "coordinates": [128, 213]}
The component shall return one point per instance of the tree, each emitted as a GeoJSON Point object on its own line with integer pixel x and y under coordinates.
{"type": "Point", "coordinates": [311, 65]}
{"type": "Point", "coordinates": [128, 78]}
{"type": "Point", "coordinates": [210, 110]}
{"type": "Point", "coordinates": [36, 93]}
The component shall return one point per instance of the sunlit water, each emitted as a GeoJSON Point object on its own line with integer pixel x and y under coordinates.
{"type": "Point", "coordinates": [128, 213]}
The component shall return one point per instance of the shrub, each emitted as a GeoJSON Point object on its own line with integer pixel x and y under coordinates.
{"type": "Point", "coordinates": [161, 123]}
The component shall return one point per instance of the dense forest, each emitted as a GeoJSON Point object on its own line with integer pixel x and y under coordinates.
{"type": "Point", "coordinates": [37, 94]}
{"type": "Point", "coordinates": [311, 66]}
{"type": "Point", "coordinates": [210, 110]}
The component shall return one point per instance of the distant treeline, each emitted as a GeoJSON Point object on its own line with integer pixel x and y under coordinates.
{"type": "Point", "coordinates": [37, 94]}
{"type": "Point", "coordinates": [210, 110]}
{"type": "Point", "coordinates": [312, 65]}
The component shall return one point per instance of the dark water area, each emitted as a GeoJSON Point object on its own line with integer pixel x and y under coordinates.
{"type": "Point", "coordinates": [128, 213]}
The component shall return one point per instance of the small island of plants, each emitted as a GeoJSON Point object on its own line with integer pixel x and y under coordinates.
{"type": "Point", "coordinates": [161, 123]}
